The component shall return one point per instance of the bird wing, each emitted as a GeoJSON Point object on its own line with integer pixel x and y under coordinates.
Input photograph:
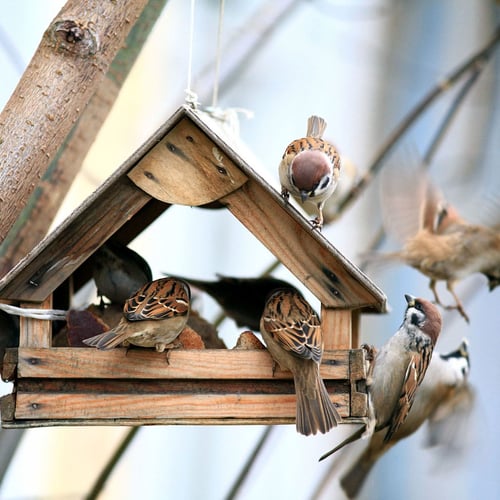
{"type": "Point", "coordinates": [299, 337]}
{"type": "Point", "coordinates": [160, 299]}
{"type": "Point", "coordinates": [414, 375]}
{"type": "Point", "coordinates": [295, 325]}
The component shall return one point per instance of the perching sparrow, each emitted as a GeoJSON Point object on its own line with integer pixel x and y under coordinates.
{"type": "Point", "coordinates": [153, 317]}
{"type": "Point", "coordinates": [292, 332]}
{"type": "Point", "coordinates": [309, 169]}
{"type": "Point", "coordinates": [443, 388]}
{"type": "Point", "coordinates": [438, 243]}
{"type": "Point", "coordinates": [397, 371]}
{"type": "Point", "coordinates": [118, 271]}
{"type": "Point", "coordinates": [242, 299]}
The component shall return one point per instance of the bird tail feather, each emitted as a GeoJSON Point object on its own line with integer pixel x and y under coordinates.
{"type": "Point", "coordinates": [104, 341]}
{"type": "Point", "coordinates": [315, 411]}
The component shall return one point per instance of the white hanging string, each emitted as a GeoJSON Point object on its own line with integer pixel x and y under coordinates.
{"type": "Point", "coordinates": [50, 314]}
{"type": "Point", "coordinates": [215, 94]}
{"type": "Point", "coordinates": [191, 97]}
{"type": "Point", "coordinates": [227, 117]}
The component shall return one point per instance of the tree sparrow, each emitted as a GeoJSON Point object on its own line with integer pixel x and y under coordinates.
{"type": "Point", "coordinates": [309, 169]}
{"type": "Point", "coordinates": [397, 371]}
{"type": "Point", "coordinates": [292, 332]}
{"type": "Point", "coordinates": [445, 384]}
{"type": "Point", "coordinates": [438, 242]}
{"type": "Point", "coordinates": [152, 317]}
{"type": "Point", "coordinates": [242, 299]}
{"type": "Point", "coordinates": [118, 272]}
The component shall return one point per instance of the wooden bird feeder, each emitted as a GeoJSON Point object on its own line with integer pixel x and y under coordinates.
{"type": "Point", "coordinates": [84, 386]}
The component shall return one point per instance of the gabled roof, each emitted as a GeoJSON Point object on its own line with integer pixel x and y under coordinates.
{"type": "Point", "coordinates": [186, 162]}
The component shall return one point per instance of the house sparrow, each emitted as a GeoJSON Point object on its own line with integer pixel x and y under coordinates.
{"type": "Point", "coordinates": [397, 371]}
{"type": "Point", "coordinates": [309, 169]}
{"type": "Point", "coordinates": [438, 242]}
{"type": "Point", "coordinates": [444, 386]}
{"type": "Point", "coordinates": [242, 299]}
{"type": "Point", "coordinates": [152, 317]}
{"type": "Point", "coordinates": [118, 272]}
{"type": "Point", "coordinates": [292, 332]}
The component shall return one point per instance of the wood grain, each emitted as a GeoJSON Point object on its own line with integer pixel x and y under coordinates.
{"type": "Point", "coordinates": [309, 256]}
{"type": "Point", "coordinates": [34, 332]}
{"type": "Point", "coordinates": [187, 168]}
{"type": "Point", "coordinates": [66, 362]}
{"type": "Point", "coordinates": [58, 255]}
{"type": "Point", "coordinates": [148, 407]}
{"type": "Point", "coordinates": [336, 328]}
{"type": "Point", "coordinates": [70, 62]}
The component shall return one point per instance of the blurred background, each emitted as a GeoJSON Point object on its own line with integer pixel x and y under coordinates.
{"type": "Point", "coordinates": [362, 65]}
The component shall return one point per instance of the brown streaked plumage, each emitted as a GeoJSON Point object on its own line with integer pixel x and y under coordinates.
{"type": "Point", "coordinates": [444, 399]}
{"type": "Point", "coordinates": [242, 299]}
{"type": "Point", "coordinates": [309, 169]}
{"type": "Point", "coordinates": [398, 370]}
{"type": "Point", "coordinates": [437, 241]}
{"type": "Point", "coordinates": [292, 332]}
{"type": "Point", "coordinates": [152, 317]}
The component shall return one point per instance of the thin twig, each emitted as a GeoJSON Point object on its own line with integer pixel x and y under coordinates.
{"type": "Point", "coordinates": [108, 469]}
{"type": "Point", "coordinates": [249, 463]}
{"type": "Point", "coordinates": [474, 62]}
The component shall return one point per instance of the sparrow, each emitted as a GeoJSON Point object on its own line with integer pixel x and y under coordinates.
{"type": "Point", "coordinates": [242, 299]}
{"type": "Point", "coordinates": [118, 272]}
{"type": "Point", "coordinates": [443, 388]}
{"type": "Point", "coordinates": [397, 370]}
{"type": "Point", "coordinates": [154, 316]}
{"type": "Point", "coordinates": [292, 332]}
{"type": "Point", "coordinates": [309, 169]}
{"type": "Point", "coordinates": [438, 242]}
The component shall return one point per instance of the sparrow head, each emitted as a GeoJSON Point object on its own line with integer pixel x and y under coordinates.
{"type": "Point", "coordinates": [422, 314]}
{"type": "Point", "coordinates": [311, 173]}
{"type": "Point", "coordinates": [460, 358]}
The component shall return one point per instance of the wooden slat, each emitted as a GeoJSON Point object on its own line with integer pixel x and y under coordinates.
{"type": "Point", "coordinates": [51, 262]}
{"type": "Point", "coordinates": [146, 364]}
{"type": "Point", "coordinates": [186, 168]}
{"type": "Point", "coordinates": [149, 407]}
{"type": "Point", "coordinates": [359, 397]}
{"type": "Point", "coordinates": [33, 332]}
{"type": "Point", "coordinates": [336, 328]}
{"type": "Point", "coordinates": [9, 367]}
{"type": "Point", "coordinates": [103, 213]}
{"type": "Point", "coordinates": [303, 251]}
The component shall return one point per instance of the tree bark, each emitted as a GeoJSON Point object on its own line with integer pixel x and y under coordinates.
{"type": "Point", "coordinates": [35, 219]}
{"type": "Point", "coordinates": [70, 63]}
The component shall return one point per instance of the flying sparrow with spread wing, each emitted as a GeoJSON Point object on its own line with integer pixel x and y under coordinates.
{"type": "Point", "coordinates": [242, 299]}
{"type": "Point", "coordinates": [292, 332]}
{"type": "Point", "coordinates": [152, 317]}
{"type": "Point", "coordinates": [439, 243]}
{"type": "Point", "coordinates": [309, 169]}
{"type": "Point", "coordinates": [445, 384]}
{"type": "Point", "coordinates": [118, 271]}
{"type": "Point", "coordinates": [397, 371]}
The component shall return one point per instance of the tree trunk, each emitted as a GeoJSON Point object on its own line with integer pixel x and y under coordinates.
{"type": "Point", "coordinates": [70, 63]}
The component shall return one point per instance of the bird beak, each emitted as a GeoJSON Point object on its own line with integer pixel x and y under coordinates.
{"type": "Point", "coordinates": [464, 348]}
{"type": "Point", "coordinates": [410, 299]}
{"type": "Point", "coordinates": [303, 196]}
{"type": "Point", "coordinates": [493, 282]}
